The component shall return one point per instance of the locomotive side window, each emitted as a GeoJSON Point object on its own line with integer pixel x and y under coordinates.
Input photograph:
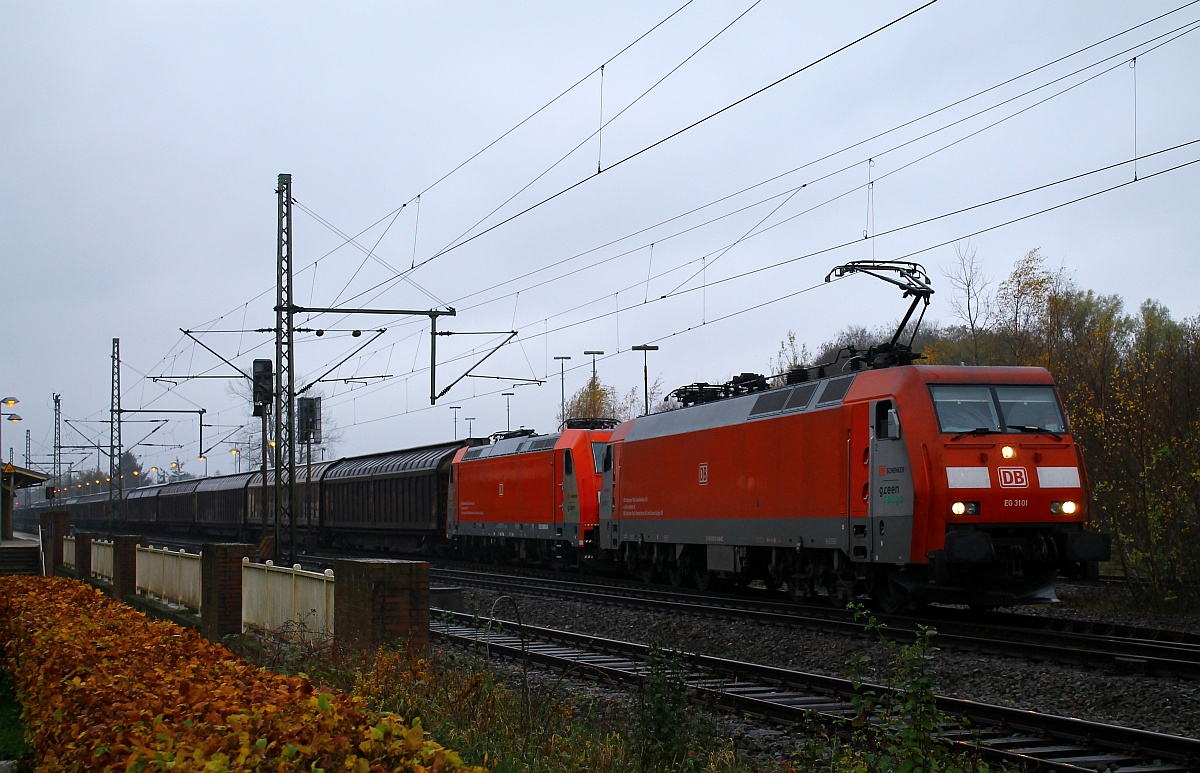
{"type": "Point", "coordinates": [598, 450]}
{"type": "Point", "coordinates": [568, 463]}
{"type": "Point", "coordinates": [887, 421]}
{"type": "Point", "coordinates": [608, 458]}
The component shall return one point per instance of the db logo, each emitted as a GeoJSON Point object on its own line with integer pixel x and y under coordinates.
{"type": "Point", "coordinates": [1013, 477]}
{"type": "Point", "coordinates": [703, 473]}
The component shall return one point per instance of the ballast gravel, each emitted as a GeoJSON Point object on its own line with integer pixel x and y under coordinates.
{"type": "Point", "coordinates": [1152, 703]}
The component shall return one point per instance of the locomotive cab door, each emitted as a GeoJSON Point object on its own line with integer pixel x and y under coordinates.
{"type": "Point", "coordinates": [568, 525]}
{"type": "Point", "coordinates": [858, 482]}
{"type": "Point", "coordinates": [609, 526]}
{"type": "Point", "coordinates": [891, 487]}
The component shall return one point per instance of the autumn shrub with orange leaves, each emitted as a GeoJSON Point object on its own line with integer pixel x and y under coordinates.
{"type": "Point", "coordinates": [104, 688]}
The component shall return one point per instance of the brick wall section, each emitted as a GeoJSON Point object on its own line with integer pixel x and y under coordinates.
{"type": "Point", "coordinates": [221, 588]}
{"type": "Point", "coordinates": [55, 524]}
{"type": "Point", "coordinates": [125, 564]}
{"type": "Point", "coordinates": [83, 554]}
{"type": "Point", "coordinates": [381, 601]}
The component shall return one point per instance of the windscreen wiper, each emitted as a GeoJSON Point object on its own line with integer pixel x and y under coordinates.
{"type": "Point", "coordinates": [976, 431]}
{"type": "Point", "coordinates": [1035, 428]}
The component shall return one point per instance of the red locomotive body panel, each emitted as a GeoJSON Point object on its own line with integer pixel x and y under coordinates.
{"type": "Point", "coordinates": [543, 488]}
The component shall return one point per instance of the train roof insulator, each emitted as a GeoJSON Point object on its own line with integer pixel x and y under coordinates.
{"type": "Point", "coordinates": [703, 392]}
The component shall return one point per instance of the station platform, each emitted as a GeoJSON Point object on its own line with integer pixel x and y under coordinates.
{"type": "Point", "coordinates": [20, 556]}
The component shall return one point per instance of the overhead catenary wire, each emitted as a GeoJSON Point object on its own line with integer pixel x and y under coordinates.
{"type": "Point", "coordinates": [1024, 74]}
{"type": "Point", "coordinates": [859, 143]}
{"type": "Point", "coordinates": [460, 240]}
{"type": "Point", "coordinates": [599, 316]}
{"type": "Point", "coordinates": [648, 271]}
{"type": "Point", "coordinates": [671, 136]}
{"type": "Point", "coordinates": [1162, 39]}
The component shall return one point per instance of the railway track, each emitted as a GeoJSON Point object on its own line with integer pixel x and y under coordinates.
{"type": "Point", "coordinates": [1092, 644]}
{"type": "Point", "coordinates": [1122, 649]}
{"type": "Point", "coordinates": [1036, 741]}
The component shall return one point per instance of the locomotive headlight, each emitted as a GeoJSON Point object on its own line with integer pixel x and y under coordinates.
{"type": "Point", "coordinates": [1066, 507]}
{"type": "Point", "coordinates": [965, 508]}
{"type": "Point", "coordinates": [1008, 452]}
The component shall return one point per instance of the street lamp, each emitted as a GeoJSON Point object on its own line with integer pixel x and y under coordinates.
{"type": "Point", "coordinates": [644, 348]}
{"type": "Point", "coordinates": [10, 402]}
{"type": "Point", "coordinates": [456, 409]}
{"type": "Point", "coordinates": [508, 409]}
{"type": "Point", "coordinates": [470, 425]}
{"type": "Point", "coordinates": [237, 460]}
{"type": "Point", "coordinates": [593, 352]}
{"type": "Point", "coordinates": [562, 372]}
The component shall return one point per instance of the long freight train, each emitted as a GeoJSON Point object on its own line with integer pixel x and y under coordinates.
{"type": "Point", "coordinates": [911, 483]}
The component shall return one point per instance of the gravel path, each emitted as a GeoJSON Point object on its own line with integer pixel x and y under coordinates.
{"type": "Point", "coordinates": [1150, 703]}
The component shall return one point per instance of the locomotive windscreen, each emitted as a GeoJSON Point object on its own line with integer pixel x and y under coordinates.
{"type": "Point", "coordinates": [970, 407]}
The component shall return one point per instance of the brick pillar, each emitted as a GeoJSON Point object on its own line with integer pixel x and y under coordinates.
{"type": "Point", "coordinates": [221, 588]}
{"type": "Point", "coordinates": [125, 564]}
{"type": "Point", "coordinates": [55, 525]}
{"type": "Point", "coordinates": [83, 555]}
{"type": "Point", "coordinates": [381, 601]}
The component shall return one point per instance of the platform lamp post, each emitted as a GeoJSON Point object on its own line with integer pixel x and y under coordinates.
{"type": "Point", "coordinates": [470, 420]}
{"type": "Point", "coordinates": [644, 349]}
{"type": "Point", "coordinates": [456, 409]}
{"type": "Point", "coordinates": [6, 527]}
{"type": "Point", "coordinates": [593, 352]}
{"type": "Point", "coordinates": [562, 372]}
{"type": "Point", "coordinates": [508, 409]}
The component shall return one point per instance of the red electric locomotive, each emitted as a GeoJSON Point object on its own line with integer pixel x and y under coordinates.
{"type": "Point", "coordinates": [526, 496]}
{"type": "Point", "coordinates": [911, 483]}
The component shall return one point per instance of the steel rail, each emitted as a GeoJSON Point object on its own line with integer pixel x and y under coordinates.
{"type": "Point", "coordinates": [1044, 742]}
{"type": "Point", "coordinates": [1115, 653]}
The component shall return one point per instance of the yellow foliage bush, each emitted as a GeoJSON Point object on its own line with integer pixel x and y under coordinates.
{"type": "Point", "coordinates": [104, 688]}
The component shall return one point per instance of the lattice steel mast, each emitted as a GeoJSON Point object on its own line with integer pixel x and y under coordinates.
{"type": "Point", "coordinates": [285, 383]}
{"type": "Point", "coordinates": [57, 495]}
{"type": "Point", "coordinates": [114, 438]}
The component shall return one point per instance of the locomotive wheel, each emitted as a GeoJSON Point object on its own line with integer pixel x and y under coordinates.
{"type": "Point", "coordinates": [889, 597]}
{"type": "Point", "coordinates": [676, 575]}
{"type": "Point", "coordinates": [704, 579]}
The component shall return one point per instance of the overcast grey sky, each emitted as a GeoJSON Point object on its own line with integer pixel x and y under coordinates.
{"type": "Point", "coordinates": [140, 145]}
